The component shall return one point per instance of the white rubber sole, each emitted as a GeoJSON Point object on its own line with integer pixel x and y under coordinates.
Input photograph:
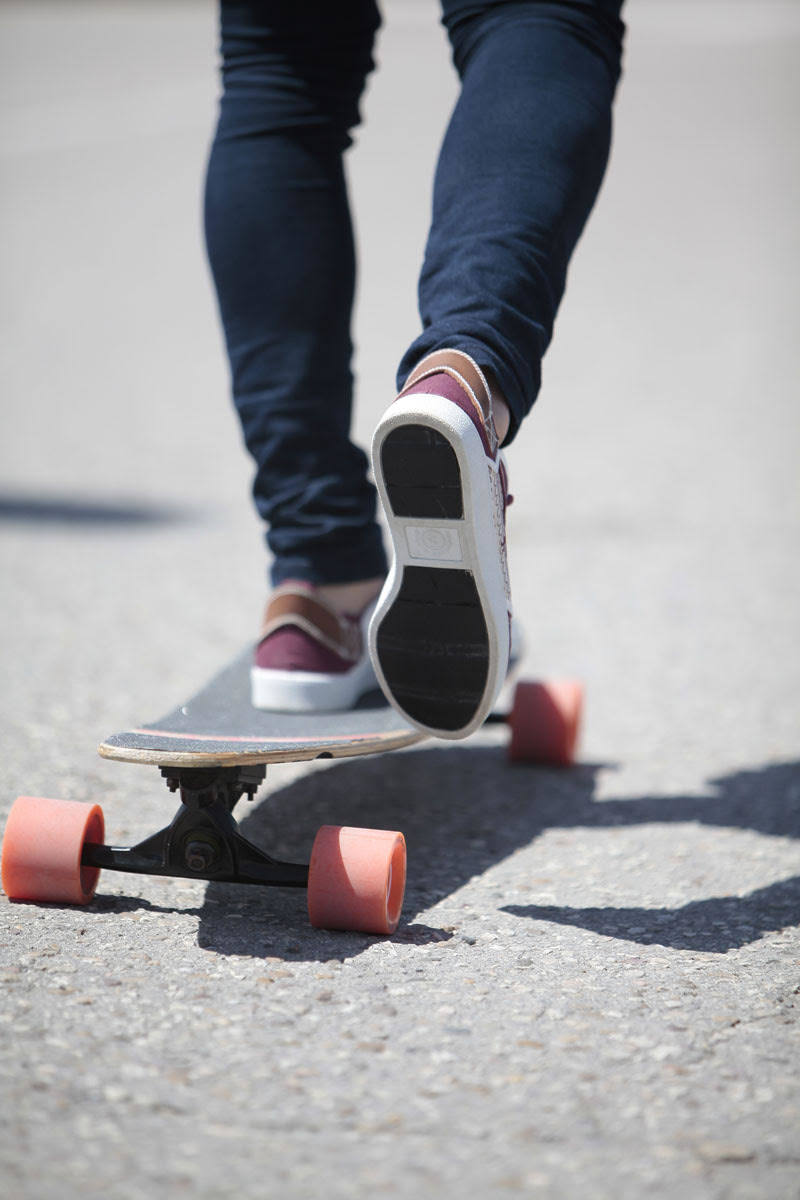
{"type": "Point", "coordinates": [306, 691]}
{"type": "Point", "coordinates": [465, 546]}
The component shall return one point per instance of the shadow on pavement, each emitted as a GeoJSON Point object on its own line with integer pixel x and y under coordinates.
{"type": "Point", "coordinates": [64, 510]}
{"type": "Point", "coordinates": [714, 926]}
{"type": "Point", "coordinates": [463, 809]}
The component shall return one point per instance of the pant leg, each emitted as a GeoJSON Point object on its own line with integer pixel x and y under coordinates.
{"type": "Point", "coordinates": [519, 171]}
{"type": "Point", "coordinates": [280, 245]}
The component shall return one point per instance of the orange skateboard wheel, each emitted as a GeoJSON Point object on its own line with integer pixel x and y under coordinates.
{"type": "Point", "coordinates": [42, 849]}
{"type": "Point", "coordinates": [357, 879]}
{"type": "Point", "coordinates": [545, 719]}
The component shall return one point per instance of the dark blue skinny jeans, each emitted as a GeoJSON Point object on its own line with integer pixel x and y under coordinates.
{"type": "Point", "coordinates": [519, 170]}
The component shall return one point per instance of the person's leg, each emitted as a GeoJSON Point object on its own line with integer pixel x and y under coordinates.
{"type": "Point", "coordinates": [280, 245]}
{"type": "Point", "coordinates": [519, 170]}
{"type": "Point", "coordinates": [518, 174]}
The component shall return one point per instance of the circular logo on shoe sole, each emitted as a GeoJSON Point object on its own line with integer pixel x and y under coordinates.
{"type": "Point", "coordinates": [433, 541]}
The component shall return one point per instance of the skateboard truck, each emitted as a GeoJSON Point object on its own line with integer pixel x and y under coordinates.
{"type": "Point", "coordinates": [203, 840]}
{"type": "Point", "coordinates": [54, 850]}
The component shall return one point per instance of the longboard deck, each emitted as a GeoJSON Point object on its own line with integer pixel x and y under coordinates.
{"type": "Point", "coordinates": [219, 727]}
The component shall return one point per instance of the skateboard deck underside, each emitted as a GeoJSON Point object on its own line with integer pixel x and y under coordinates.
{"type": "Point", "coordinates": [219, 727]}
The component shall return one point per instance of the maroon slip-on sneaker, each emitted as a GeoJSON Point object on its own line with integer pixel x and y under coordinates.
{"type": "Point", "coordinates": [310, 658]}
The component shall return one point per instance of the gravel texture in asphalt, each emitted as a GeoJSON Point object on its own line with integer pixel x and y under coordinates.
{"type": "Point", "coordinates": [594, 988]}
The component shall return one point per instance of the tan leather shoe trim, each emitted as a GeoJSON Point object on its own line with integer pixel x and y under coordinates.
{"type": "Point", "coordinates": [288, 606]}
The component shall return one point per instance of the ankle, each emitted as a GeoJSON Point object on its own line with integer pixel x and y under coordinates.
{"type": "Point", "coordinates": [500, 409]}
{"type": "Point", "coordinates": [349, 598]}
{"type": "Point", "coordinates": [502, 416]}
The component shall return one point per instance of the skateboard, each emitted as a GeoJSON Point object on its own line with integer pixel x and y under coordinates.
{"type": "Point", "coordinates": [213, 750]}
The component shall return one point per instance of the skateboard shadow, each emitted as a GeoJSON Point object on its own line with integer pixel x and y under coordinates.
{"type": "Point", "coordinates": [463, 809]}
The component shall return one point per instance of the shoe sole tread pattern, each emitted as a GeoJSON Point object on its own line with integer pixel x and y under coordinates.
{"type": "Point", "coordinates": [437, 617]}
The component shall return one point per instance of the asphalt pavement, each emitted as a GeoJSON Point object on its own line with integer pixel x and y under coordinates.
{"type": "Point", "coordinates": [594, 988]}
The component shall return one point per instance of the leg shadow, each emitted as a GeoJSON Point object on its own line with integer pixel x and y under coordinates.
{"type": "Point", "coordinates": [714, 926]}
{"type": "Point", "coordinates": [73, 511]}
